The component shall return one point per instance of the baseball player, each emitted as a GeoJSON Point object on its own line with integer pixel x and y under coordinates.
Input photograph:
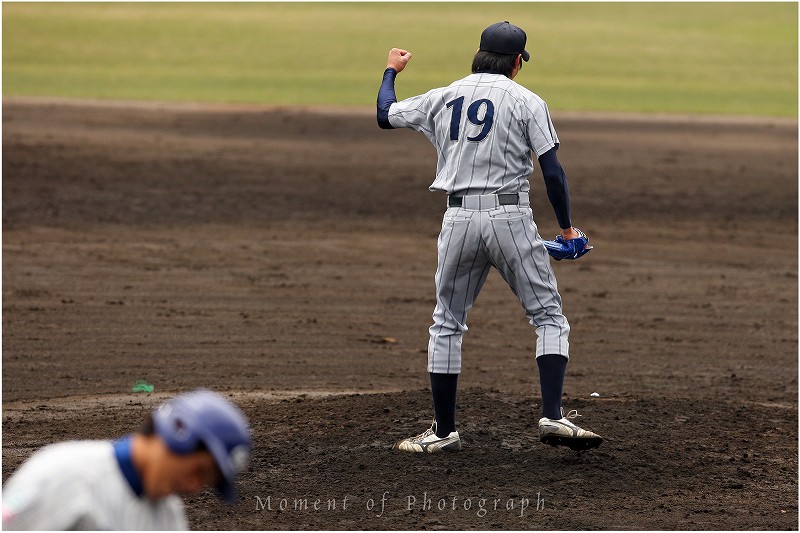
{"type": "Point", "coordinates": [484, 128]}
{"type": "Point", "coordinates": [197, 439]}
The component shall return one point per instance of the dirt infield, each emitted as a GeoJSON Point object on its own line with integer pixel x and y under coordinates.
{"type": "Point", "coordinates": [286, 257]}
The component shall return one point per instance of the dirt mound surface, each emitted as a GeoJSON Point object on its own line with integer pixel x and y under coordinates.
{"type": "Point", "coordinates": [286, 257]}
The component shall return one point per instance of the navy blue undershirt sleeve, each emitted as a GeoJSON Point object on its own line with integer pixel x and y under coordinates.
{"type": "Point", "coordinates": [122, 451]}
{"type": "Point", "coordinates": [386, 98]}
{"type": "Point", "coordinates": [557, 189]}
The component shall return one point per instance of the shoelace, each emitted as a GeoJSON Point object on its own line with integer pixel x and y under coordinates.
{"type": "Point", "coordinates": [572, 414]}
{"type": "Point", "coordinates": [425, 433]}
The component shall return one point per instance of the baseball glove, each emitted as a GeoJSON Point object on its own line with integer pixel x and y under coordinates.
{"type": "Point", "coordinates": [560, 248]}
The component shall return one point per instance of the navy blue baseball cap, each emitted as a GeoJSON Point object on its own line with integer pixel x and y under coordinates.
{"type": "Point", "coordinates": [505, 38]}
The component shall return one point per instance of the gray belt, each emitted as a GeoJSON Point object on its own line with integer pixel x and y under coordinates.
{"type": "Point", "coordinates": [502, 199]}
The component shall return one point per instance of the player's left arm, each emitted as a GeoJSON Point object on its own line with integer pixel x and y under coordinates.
{"type": "Point", "coordinates": [397, 61]}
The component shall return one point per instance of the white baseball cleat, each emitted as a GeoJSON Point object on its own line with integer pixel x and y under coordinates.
{"type": "Point", "coordinates": [562, 432]}
{"type": "Point", "coordinates": [428, 442]}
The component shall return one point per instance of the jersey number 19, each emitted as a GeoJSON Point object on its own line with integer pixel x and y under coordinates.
{"type": "Point", "coordinates": [473, 112]}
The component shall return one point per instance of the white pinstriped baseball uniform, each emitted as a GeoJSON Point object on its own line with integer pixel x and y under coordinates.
{"type": "Point", "coordinates": [484, 128]}
{"type": "Point", "coordinates": [80, 486]}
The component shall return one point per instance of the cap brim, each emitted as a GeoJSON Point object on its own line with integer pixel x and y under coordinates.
{"type": "Point", "coordinates": [227, 491]}
{"type": "Point", "coordinates": [223, 461]}
{"type": "Point", "coordinates": [525, 55]}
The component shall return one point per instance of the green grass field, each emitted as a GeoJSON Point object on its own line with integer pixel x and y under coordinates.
{"type": "Point", "coordinates": [726, 58]}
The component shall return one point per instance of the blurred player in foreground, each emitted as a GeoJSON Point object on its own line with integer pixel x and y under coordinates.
{"type": "Point", "coordinates": [197, 439]}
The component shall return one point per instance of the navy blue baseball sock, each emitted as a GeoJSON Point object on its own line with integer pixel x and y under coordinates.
{"type": "Point", "coordinates": [443, 389]}
{"type": "Point", "coordinates": [551, 377]}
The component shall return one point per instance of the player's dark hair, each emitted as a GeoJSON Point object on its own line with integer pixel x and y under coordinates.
{"type": "Point", "coordinates": [149, 427]}
{"type": "Point", "coordinates": [489, 61]}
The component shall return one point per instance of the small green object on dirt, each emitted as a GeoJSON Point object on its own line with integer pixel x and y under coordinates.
{"type": "Point", "coordinates": [143, 386]}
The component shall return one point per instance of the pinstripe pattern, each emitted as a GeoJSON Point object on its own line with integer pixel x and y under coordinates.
{"type": "Point", "coordinates": [501, 163]}
{"type": "Point", "coordinates": [471, 242]}
{"type": "Point", "coordinates": [482, 234]}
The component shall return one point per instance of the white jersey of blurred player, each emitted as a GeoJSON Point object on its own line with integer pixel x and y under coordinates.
{"type": "Point", "coordinates": [80, 486]}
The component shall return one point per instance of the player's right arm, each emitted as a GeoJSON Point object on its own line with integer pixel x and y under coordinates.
{"type": "Point", "coordinates": [35, 498]}
{"type": "Point", "coordinates": [543, 141]}
{"type": "Point", "coordinates": [397, 61]}
{"type": "Point", "coordinates": [557, 190]}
